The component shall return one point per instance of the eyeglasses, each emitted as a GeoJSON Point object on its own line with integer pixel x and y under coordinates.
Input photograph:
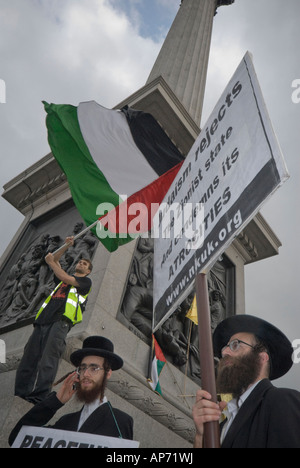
{"type": "Point", "coordinates": [92, 369]}
{"type": "Point", "coordinates": [234, 345]}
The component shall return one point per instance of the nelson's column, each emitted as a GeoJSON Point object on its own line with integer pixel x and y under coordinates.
{"type": "Point", "coordinates": [120, 304]}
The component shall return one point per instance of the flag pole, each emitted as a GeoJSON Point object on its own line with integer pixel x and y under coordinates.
{"type": "Point", "coordinates": [150, 359]}
{"type": "Point", "coordinates": [208, 380]}
{"type": "Point", "coordinates": [80, 234]}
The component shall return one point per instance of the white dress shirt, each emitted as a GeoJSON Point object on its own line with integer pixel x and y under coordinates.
{"type": "Point", "coordinates": [88, 409]}
{"type": "Point", "coordinates": [232, 409]}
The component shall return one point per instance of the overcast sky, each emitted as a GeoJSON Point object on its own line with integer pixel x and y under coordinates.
{"type": "Point", "coordinates": [68, 51]}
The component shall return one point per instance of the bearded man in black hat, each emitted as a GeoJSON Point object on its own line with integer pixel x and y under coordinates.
{"type": "Point", "coordinates": [94, 364]}
{"type": "Point", "coordinates": [252, 353]}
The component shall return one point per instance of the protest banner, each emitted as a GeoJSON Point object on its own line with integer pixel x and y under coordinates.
{"type": "Point", "coordinates": [234, 166]}
{"type": "Point", "coordinates": [43, 437]}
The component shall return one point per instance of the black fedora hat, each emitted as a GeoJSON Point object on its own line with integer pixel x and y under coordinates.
{"type": "Point", "coordinates": [97, 346]}
{"type": "Point", "coordinates": [279, 347]}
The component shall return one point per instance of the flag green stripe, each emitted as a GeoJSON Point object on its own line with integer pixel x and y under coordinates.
{"type": "Point", "coordinates": [160, 365]}
{"type": "Point", "coordinates": [158, 389]}
{"type": "Point", "coordinates": [87, 183]}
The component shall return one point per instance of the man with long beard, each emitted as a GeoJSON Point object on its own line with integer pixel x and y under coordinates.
{"type": "Point", "coordinates": [252, 352]}
{"type": "Point", "coordinates": [95, 363]}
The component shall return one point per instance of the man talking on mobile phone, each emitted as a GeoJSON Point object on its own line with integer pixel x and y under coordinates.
{"type": "Point", "coordinates": [94, 363]}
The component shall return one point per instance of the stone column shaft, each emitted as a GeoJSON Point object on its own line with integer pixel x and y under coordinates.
{"type": "Point", "coordinates": [183, 59]}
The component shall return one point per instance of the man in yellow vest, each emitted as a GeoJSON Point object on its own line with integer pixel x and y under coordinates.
{"type": "Point", "coordinates": [58, 314]}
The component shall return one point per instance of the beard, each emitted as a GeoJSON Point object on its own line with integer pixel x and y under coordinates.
{"type": "Point", "coordinates": [92, 394]}
{"type": "Point", "coordinates": [236, 374]}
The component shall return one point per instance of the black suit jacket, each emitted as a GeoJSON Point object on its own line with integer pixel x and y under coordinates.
{"type": "Point", "coordinates": [100, 422]}
{"type": "Point", "coordinates": [269, 418]}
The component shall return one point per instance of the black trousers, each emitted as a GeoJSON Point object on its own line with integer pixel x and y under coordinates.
{"type": "Point", "coordinates": [38, 367]}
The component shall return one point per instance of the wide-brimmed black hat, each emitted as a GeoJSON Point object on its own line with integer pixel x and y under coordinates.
{"type": "Point", "coordinates": [97, 346]}
{"type": "Point", "coordinates": [279, 347]}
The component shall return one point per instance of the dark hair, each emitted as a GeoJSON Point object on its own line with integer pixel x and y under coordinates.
{"type": "Point", "coordinates": [260, 347]}
{"type": "Point", "coordinates": [89, 262]}
{"type": "Point", "coordinates": [107, 365]}
{"type": "Point", "coordinates": [107, 368]}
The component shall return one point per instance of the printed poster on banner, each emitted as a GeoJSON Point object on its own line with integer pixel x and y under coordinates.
{"type": "Point", "coordinates": [44, 437]}
{"type": "Point", "coordinates": [234, 166]}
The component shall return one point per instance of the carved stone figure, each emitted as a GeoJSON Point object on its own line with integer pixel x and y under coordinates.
{"type": "Point", "coordinates": [178, 336]}
{"type": "Point", "coordinates": [138, 300]}
{"type": "Point", "coordinates": [30, 280]}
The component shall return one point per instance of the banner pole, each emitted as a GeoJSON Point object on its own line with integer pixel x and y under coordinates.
{"type": "Point", "coordinates": [151, 354]}
{"type": "Point", "coordinates": [80, 234]}
{"type": "Point", "coordinates": [208, 380]}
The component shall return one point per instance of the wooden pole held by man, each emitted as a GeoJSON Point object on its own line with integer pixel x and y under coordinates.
{"type": "Point", "coordinates": [208, 380]}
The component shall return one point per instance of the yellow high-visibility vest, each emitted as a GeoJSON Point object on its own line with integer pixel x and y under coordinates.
{"type": "Point", "coordinates": [73, 304]}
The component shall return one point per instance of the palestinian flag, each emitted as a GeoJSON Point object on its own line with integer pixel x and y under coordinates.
{"type": "Point", "coordinates": [135, 215]}
{"type": "Point", "coordinates": [108, 156]}
{"type": "Point", "coordinates": [158, 364]}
